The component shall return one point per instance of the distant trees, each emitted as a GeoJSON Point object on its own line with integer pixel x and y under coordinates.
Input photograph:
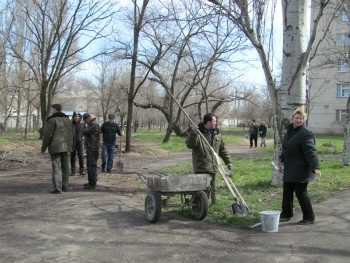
{"type": "Point", "coordinates": [187, 53]}
{"type": "Point", "coordinates": [50, 39]}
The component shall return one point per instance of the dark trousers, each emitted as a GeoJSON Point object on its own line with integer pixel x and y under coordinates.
{"type": "Point", "coordinates": [212, 191]}
{"type": "Point", "coordinates": [300, 190]}
{"type": "Point", "coordinates": [80, 152]}
{"type": "Point", "coordinates": [253, 137]}
{"type": "Point", "coordinates": [92, 157]}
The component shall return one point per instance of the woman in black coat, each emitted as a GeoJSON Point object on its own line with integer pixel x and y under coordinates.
{"type": "Point", "coordinates": [301, 166]}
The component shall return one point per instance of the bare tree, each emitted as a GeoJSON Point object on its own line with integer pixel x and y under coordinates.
{"type": "Point", "coordinates": [187, 54]}
{"type": "Point", "coordinates": [60, 32]}
{"type": "Point", "coordinates": [111, 87]}
{"type": "Point", "coordinates": [251, 17]}
{"type": "Point", "coordinates": [138, 23]}
{"type": "Point", "coordinates": [346, 148]}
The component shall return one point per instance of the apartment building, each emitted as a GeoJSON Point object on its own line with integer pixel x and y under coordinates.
{"type": "Point", "coordinates": [329, 75]}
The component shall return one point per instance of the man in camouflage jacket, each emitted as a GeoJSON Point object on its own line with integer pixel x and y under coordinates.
{"type": "Point", "coordinates": [203, 157]}
{"type": "Point", "coordinates": [59, 138]}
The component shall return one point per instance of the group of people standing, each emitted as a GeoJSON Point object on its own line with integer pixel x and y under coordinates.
{"type": "Point", "coordinates": [63, 137]}
{"type": "Point", "coordinates": [299, 155]}
{"type": "Point", "coordinates": [254, 130]}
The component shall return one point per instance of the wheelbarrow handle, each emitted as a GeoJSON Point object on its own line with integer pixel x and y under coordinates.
{"type": "Point", "coordinates": [142, 177]}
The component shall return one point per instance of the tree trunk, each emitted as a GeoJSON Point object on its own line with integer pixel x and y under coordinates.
{"type": "Point", "coordinates": [292, 92]}
{"type": "Point", "coordinates": [346, 148]}
{"type": "Point", "coordinates": [43, 109]}
{"type": "Point", "coordinates": [138, 21]}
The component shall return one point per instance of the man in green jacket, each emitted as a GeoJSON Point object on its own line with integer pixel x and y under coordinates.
{"type": "Point", "coordinates": [203, 157]}
{"type": "Point", "coordinates": [59, 138]}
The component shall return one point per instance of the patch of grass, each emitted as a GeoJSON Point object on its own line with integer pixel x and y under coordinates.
{"type": "Point", "coordinates": [329, 144]}
{"type": "Point", "coordinates": [176, 143]}
{"type": "Point", "coordinates": [251, 177]}
{"type": "Point", "coordinates": [8, 138]}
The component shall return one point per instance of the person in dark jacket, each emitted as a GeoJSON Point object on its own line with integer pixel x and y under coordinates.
{"type": "Point", "coordinates": [203, 158]}
{"type": "Point", "coordinates": [109, 129]}
{"type": "Point", "coordinates": [91, 132]}
{"type": "Point", "coordinates": [301, 166]}
{"type": "Point", "coordinates": [79, 147]}
{"type": "Point", "coordinates": [262, 133]}
{"type": "Point", "coordinates": [253, 134]}
{"type": "Point", "coordinates": [59, 138]}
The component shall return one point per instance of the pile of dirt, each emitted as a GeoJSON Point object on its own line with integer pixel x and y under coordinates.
{"type": "Point", "coordinates": [20, 154]}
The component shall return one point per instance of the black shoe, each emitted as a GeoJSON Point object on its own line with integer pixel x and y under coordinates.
{"type": "Point", "coordinates": [86, 184]}
{"type": "Point", "coordinates": [89, 186]}
{"type": "Point", "coordinates": [72, 173]}
{"type": "Point", "coordinates": [81, 172]}
{"type": "Point", "coordinates": [103, 170]}
{"type": "Point", "coordinates": [55, 192]}
{"type": "Point", "coordinates": [108, 172]}
{"type": "Point", "coordinates": [306, 222]}
{"type": "Point", "coordinates": [64, 189]}
{"type": "Point", "coordinates": [284, 219]}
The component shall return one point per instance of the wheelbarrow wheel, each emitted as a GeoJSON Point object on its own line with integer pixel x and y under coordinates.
{"type": "Point", "coordinates": [153, 206]}
{"type": "Point", "coordinates": [200, 205]}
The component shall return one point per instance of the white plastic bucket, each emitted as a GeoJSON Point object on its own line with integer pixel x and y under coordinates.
{"type": "Point", "coordinates": [270, 220]}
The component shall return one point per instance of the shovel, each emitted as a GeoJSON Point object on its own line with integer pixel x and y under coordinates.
{"type": "Point", "coordinates": [119, 167]}
{"type": "Point", "coordinates": [239, 206]}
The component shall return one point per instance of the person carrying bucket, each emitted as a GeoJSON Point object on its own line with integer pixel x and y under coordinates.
{"type": "Point", "coordinates": [203, 158]}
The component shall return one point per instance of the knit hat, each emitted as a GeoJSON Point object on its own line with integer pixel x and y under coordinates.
{"type": "Point", "coordinates": [85, 116]}
{"type": "Point", "coordinates": [111, 116]}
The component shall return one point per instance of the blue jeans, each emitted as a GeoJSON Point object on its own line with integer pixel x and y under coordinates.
{"type": "Point", "coordinates": [107, 155]}
{"type": "Point", "coordinates": [92, 157]}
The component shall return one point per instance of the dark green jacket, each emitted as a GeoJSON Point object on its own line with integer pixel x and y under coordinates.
{"type": "Point", "coordinates": [109, 131]}
{"type": "Point", "coordinates": [92, 133]}
{"type": "Point", "coordinates": [59, 135]}
{"type": "Point", "coordinates": [299, 155]}
{"type": "Point", "coordinates": [203, 158]}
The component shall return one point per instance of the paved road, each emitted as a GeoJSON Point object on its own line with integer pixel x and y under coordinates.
{"type": "Point", "coordinates": [108, 225]}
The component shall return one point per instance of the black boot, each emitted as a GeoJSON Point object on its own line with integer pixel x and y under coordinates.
{"type": "Point", "coordinates": [81, 171]}
{"type": "Point", "coordinates": [72, 173]}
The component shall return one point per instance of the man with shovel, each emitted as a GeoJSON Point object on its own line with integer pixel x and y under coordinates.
{"type": "Point", "coordinates": [203, 157]}
{"type": "Point", "coordinates": [109, 129]}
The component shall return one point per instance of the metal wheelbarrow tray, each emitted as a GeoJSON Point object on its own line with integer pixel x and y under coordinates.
{"type": "Point", "coordinates": [192, 188]}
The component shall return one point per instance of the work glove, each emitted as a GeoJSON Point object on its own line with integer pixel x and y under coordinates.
{"type": "Point", "coordinates": [229, 166]}
{"type": "Point", "coordinates": [194, 128]}
{"type": "Point", "coordinates": [318, 173]}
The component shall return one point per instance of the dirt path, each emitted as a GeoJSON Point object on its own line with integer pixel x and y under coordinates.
{"type": "Point", "coordinates": [108, 224]}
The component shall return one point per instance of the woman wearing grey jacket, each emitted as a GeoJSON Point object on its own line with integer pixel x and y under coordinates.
{"type": "Point", "coordinates": [301, 165]}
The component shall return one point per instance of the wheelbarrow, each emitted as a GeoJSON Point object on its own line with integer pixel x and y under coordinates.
{"type": "Point", "coordinates": [193, 189]}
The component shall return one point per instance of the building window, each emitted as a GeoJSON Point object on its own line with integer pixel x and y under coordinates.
{"type": "Point", "coordinates": [343, 65]}
{"type": "Point", "coordinates": [343, 40]}
{"type": "Point", "coordinates": [343, 90]}
{"type": "Point", "coordinates": [343, 16]}
{"type": "Point", "coordinates": [340, 115]}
